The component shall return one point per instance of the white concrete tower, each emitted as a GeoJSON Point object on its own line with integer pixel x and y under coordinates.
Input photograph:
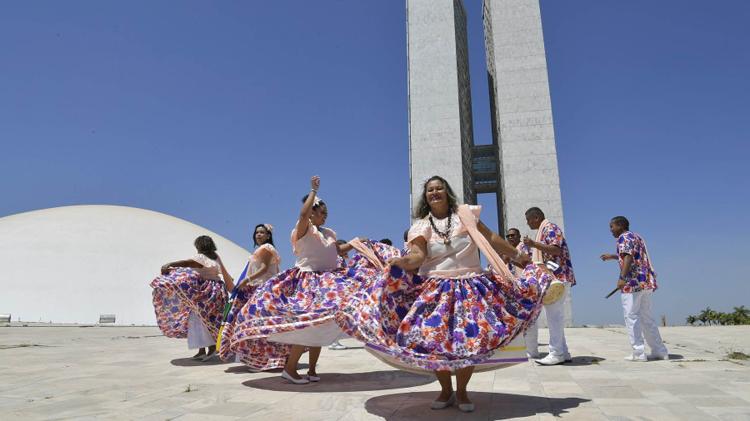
{"type": "Point", "coordinates": [522, 114]}
{"type": "Point", "coordinates": [521, 110]}
{"type": "Point", "coordinates": [440, 124]}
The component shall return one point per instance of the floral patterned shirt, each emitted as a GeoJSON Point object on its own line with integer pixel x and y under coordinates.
{"type": "Point", "coordinates": [552, 235]}
{"type": "Point", "coordinates": [641, 275]}
{"type": "Point", "coordinates": [524, 249]}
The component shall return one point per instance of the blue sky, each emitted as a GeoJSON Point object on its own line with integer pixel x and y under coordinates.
{"type": "Point", "coordinates": [219, 113]}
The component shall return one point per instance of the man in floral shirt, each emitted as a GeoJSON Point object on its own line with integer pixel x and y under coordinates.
{"type": "Point", "coordinates": [550, 245]}
{"type": "Point", "coordinates": [637, 282]}
{"type": "Point", "coordinates": [514, 238]}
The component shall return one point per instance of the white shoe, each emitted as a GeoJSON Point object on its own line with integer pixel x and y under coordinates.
{"type": "Point", "coordinates": [312, 378]}
{"type": "Point", "coordinates": [637, 359]}
{"type": "Point", "coordinates": [336, 346]}
{"type": "Point", "coordinates": [466, 407]}
{"type": "Point", "coordinates": [658, 357]}
{"type": "Point", "coordinates": [551, 359]}
{"type": "Point", "coordinates": [287, 376]}
{"type": "Point", "coordinates": [443, 404]}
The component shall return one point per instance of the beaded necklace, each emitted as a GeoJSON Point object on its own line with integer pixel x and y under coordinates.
{"type": "Point", "coordinates": [446, 236]}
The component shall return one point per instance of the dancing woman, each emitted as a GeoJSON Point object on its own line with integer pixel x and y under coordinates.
{"type": "Point", "coordinates": [263, 264]}
{"type": "Point", "coordinates": [453, 315]}
{"type": "Point", "coordinates": [189, 297]}
{"type": "Point", "coordinates": [294, 311]}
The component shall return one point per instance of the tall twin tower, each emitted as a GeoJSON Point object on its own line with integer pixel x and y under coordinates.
{"type": "Point", "coordinates": [520, 166]}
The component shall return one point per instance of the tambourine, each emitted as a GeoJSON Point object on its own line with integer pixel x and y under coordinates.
{"type": "Point", "coordinates": [556, 288]}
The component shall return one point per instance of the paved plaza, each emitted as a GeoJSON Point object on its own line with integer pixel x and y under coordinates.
{"type": "Point", "coordinates": [136, 373]}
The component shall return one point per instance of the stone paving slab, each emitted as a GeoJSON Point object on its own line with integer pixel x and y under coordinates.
{"type": "Point", "coordinates": [73, 372]}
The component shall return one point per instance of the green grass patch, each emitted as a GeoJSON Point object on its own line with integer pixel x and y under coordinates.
{"type": "Point", "coordinates": [736, 355]}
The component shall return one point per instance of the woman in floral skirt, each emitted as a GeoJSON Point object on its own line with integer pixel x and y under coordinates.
{"type": "Point", "coordinates": [452, 315]}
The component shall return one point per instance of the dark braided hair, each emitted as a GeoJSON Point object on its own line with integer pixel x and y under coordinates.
{"type": "Point", "coordinates": [205, 246]}
{"type": "Point", "coordinates": [423, 208]}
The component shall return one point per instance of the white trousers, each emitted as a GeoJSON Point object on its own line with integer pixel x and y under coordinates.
{"type": "Point", "coordinates": [636, 307]}
{"type": "Point", "coordinates": [556, 323]}
{"type": "Point", "coordinates": [198, 335]}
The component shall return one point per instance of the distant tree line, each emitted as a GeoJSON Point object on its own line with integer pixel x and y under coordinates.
{"type": "Point", "coordinates": [707, 317]}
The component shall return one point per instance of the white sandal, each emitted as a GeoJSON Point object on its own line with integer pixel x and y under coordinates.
{"type": "Point", "coordinates": [287, 376]}
{"type": "Point", "coordinates": [443, 404]}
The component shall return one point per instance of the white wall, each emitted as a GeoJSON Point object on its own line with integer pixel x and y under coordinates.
{"type": "Point", "coordinates": [70, 264]}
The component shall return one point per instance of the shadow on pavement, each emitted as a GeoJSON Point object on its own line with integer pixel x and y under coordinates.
{"type": "Point", "coordinates": [492, 406]}
{"type": "Point", "coordinates": [578, 360]}
{"type": "Point", "coordinates": [581, 360]}
{"type": "Point", "coordinates": [675, 357]}
{"type": "Point", "coordinates": [344, 382]}
{"type": "Point", "coordinates": [189, 362]}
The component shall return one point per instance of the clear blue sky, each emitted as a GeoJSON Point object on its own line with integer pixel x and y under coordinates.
{"type": "Point", "coordinates": [218, 113]}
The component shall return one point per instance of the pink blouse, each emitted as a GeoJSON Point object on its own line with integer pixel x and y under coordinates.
{"type": "Point", "coordinates": [458, 259]}
{"type": "Point", "coordinates": [316, 251]}
{"type": "Point", "coordinates": [273, 267]}
{"type": "Point", "coordinates": [211, 268]}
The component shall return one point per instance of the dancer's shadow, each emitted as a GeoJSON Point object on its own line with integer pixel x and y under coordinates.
{"type": "Point", "coordinates": [581, 360]}
{"type": "Point", "coordinates": [345, 382]}
{"type": "Point", "coordinates": [189, 362]}
{"type": "Point", "coordinates": [675, 357]}
{"type": "Point", "coordinates": [492, 406]}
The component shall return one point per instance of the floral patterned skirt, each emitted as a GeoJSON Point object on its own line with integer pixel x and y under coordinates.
{"type": "Point", "coordinates": [291, 301]}
{"type": "Point", "coordinates": [243, 294]}
{"type": "Point", "coordinates": [443, 324]}
{"type": "Point", "coordinates": [179, 292]}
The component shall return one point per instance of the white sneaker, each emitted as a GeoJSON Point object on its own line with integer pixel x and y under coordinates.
{"type": "Point", "coordinates": [636, 358]}
{"type": "Point", "coordinates": [551, 360]}
{"type": "Point", "coordinates": [658, 357]}
{"type": "Point", "coordinates": [312, 378]}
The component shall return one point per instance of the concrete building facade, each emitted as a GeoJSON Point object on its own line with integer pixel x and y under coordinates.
{"type": "Point", "coordinates": [440, 121]}
{"type": "Point", "coordinates": [521, 110]}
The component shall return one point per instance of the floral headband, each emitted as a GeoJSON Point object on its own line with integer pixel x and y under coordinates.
{"type": "Point", "coordinates": [268, 227]}
{"type": "Point", "coordinates": [318, 201]}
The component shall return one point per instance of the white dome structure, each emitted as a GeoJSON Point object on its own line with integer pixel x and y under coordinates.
{"type": "Point", "coordinates": [71, 264]}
